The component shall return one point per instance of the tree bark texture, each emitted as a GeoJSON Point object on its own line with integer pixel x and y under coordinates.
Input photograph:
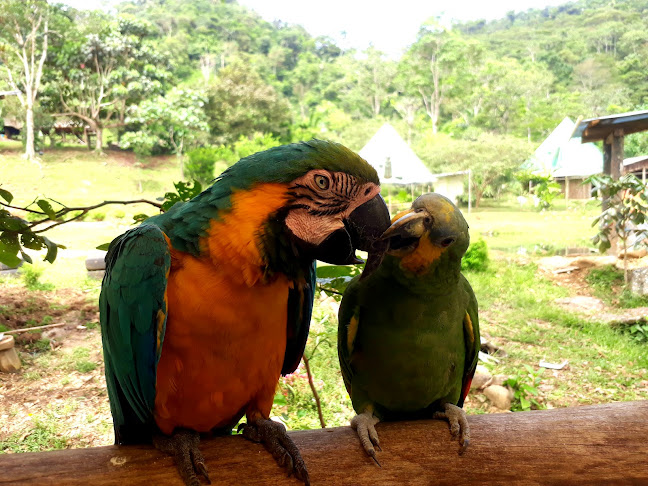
{"type": "Point", "coordinates": [603, 444]}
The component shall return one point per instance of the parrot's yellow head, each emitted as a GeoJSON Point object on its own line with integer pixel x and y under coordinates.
{"type": "Point", "coordinates": [432, 229]}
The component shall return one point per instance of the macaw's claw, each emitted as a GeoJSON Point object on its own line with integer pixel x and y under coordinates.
{"type": "Point", "coordinates": [459, 428]}
{"type": "Point", "coordinates": [274, 437]}
{"type": "Point", "coordinates": [183, 446]}
{"type": "Point", "coordinates": [364, 424]}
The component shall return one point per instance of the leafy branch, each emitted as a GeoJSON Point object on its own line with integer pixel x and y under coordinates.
{"type": "Point", "coordinates": [17, 234]}
{"type": "Point", "coordinates": [624, 214]}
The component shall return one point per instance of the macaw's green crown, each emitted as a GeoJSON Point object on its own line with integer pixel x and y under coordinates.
{"type": "Point", "coordinates": [186, 223]}
{"type": "Point", "coordinates": [287, 162]}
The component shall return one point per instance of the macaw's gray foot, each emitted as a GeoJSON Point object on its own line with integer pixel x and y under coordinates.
{"type": "Point", "coordinates": [274, 437]}
{"type": "Point", "coordinates": [458, 421]}
{"type": "Point", "coordinates": [183, 446]}
{"type": "Point", "coordinates": [364, 424]}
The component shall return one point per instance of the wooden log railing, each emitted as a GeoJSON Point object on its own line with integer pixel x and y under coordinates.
{"type": "Point", "coordinates": [590, 445]}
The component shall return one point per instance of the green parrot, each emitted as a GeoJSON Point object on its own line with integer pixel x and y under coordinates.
{"type": "Point", "coordinates": [202, 308]}
{"type": "Point", "coordinates": [408, 335]}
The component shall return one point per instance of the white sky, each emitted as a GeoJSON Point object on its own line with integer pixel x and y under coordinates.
{"type": "Point", "coordinates": [388, 25]}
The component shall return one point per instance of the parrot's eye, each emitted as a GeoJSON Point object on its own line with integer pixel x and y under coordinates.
{"type": "Point", "coordinates": [322, 182]}
{"type": "Point", "coordinates": [447, 242]}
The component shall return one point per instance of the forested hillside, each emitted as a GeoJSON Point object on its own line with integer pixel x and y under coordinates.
{"type": "Point", "coordinates": [165, 76]}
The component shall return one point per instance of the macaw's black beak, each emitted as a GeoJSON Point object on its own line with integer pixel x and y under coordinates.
{"type": "Point", "coordinates": [362, 229]}
{"type": "Point", "coordinates": [405, 233]}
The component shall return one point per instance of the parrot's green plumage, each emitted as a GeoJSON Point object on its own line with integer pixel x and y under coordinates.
{"type": "Point", "coordinates": [203, 307]}
{"type": "Point", "coordinates": [408, 336]}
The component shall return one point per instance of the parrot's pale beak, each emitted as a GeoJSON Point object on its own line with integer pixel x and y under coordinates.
{"type": "Point", "coordinates": [405, 233]}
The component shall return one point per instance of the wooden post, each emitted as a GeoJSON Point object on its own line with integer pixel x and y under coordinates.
{"type": "Point", "coordinates": [616, 153]}
{"type": "Point", "coordinates": [566, 190]}
{"type": "Point", "coordinates": [602, 444]}
{"type": "Point", "coordinates": [612, 162]}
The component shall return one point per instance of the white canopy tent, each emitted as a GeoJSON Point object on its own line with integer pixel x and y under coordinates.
{"type": "Point", "coordinates": [394, 160]}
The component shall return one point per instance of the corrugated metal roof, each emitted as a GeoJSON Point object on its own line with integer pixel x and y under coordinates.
{"type": "Point", "coordinates": [635, 160]}
{"type": "Point", "coordinates": [595, 129]}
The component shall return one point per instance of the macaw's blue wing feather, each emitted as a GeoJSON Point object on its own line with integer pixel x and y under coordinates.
{"type": "Point", "coordinates": [300, 309]}
{"type": "Point", "coordinates": [133, 313]}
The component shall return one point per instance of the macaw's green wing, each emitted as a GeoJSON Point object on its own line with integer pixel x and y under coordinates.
{"type": "Point", "coordinates": [471, 339]}
{"type": "Point", "coordinates": [348, 322]}
{"type": "Point", "coordinates": [133, 311]}
{"type": "Point", "coordinates": [300, 309]}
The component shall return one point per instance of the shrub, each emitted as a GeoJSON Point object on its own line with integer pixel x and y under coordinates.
{"type": "Point", "coordinates": [31, 275]}
{"type": "Point", "coordinates": [98, 216]}
{"type": "Point", "coordinates": [200, 164]}
{"type": "Point", "coordinates": [476, 258]}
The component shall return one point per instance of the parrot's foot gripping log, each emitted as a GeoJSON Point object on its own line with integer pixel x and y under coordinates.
{"type": "Point", "coordinates": [183, 446]}
{"type": "Point", "coordinates": [274, 437]}
{"type": "Point", "coordinates": [364, 424]}
{"type": "Point", "coordinates": [459, 428]}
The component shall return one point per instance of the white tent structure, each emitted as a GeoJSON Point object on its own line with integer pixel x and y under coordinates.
{"type": "Point", "coordinates": [394, 160]}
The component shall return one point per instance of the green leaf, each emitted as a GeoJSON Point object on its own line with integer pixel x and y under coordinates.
{"type": "Point", "coordinates": [8, 259]}
{"type": "Point", "coordinates": [103, 246]}
{"type": "Point", "coordinates": [280, 399]}
{"type": "Point", "coordinates": [524, 403]}
{"type": "Point", "coordinates": [31, 241]}
{"type": "Point", "coordinates": [47, 208]}
{"type": "Point", "coordinates": [26, 257]}
{"type": "Point", "coordinates": [6, 195]}
{"type": "Point", "coordinates": [9, 248]}
{"type": "Point", "coordinates": [52, 250]}
{"type": "Point", "coordinates": [138, 218]}
{"type": "Point", "coordinates": [12, 223]}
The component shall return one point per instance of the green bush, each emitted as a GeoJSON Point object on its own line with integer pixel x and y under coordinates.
{"type": "Point", "coordinates": [98, 216]}
{"type": "Point", "coordinates": [200, 164]}
{"type": "Point", "coordinates": [476, 258]}
{"type": "Point", "coordinates": [31, 275]}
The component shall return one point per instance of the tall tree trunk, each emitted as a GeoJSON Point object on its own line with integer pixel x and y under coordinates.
{"type": "Point", "coordinates": [98, 139]}
{"type": "Point", "coordinates": [30, 153]}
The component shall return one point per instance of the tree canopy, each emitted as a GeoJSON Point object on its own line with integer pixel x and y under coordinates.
{"type": "Point", "coordinates": [515, 76]}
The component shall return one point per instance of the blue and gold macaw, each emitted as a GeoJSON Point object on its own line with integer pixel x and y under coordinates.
{"type": "Point", "coordinates": [204, 306]}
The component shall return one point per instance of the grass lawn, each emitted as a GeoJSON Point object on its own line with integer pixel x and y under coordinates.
{"type": "Point", "coordinates": [518, 309]}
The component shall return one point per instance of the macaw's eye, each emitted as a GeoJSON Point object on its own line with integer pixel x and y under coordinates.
{"type": "Point", "coordinates": [322, 182]}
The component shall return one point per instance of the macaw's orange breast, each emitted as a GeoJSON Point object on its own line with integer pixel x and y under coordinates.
{"type": "Point", "coordinates": [223, 348]}
{"type": "Point", "coordinates": [225, 338]}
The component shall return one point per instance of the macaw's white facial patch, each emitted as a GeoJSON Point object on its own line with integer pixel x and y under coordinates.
{"type": "Point", "coordinates": [312, 229]}
{"type": "Point", "coordinates": [321, 202]}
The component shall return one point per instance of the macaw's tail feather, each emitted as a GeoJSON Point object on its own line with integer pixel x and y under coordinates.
{"type": "Point", "coordinates": [128, 427]}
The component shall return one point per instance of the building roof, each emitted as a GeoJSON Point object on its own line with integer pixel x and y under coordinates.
{"type": "Point", "coordinates": [8, 93]}
{"type": "Point", "coordinates": [394, 160]}
{"type": "Point", "coordinates": [563, 156]}
{"type": "Point", "coordinates": [595, 129]}
{"type": "Point", "coordinates": [634, 164]}
{"type": "Point", "coordinates": [450, 174]}
{"type": "Point", "coordinates": [635, 160]}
